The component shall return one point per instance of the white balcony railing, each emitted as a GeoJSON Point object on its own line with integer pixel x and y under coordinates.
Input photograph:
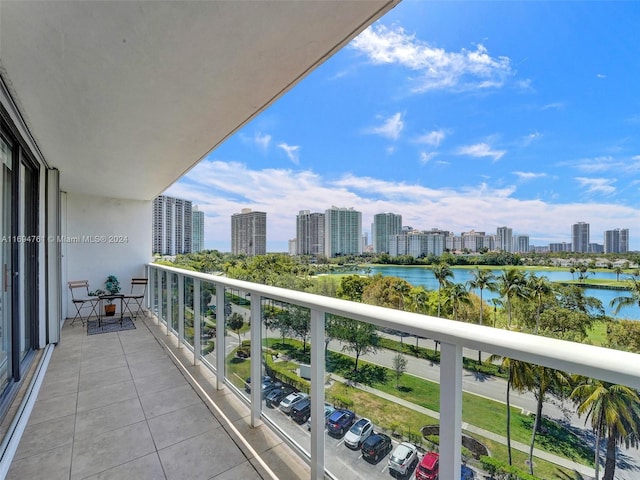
{"type": "Point", "coordinates": [610, 365]}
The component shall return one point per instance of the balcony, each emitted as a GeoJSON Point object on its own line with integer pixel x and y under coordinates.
{"type": "Point", "coordinates": [182, 300]}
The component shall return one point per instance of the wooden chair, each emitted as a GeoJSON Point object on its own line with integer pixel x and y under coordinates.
{"type": "Point", "coordinates": [136, 297]}
{"type": "Point", "coordinates": [80, 297]}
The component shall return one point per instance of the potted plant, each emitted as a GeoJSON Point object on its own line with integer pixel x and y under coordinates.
{"type": "Point", "coordinates": [111, 287]}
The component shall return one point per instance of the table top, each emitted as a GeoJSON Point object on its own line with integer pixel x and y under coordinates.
{"type": "Point", "coordinates": [111, 297]}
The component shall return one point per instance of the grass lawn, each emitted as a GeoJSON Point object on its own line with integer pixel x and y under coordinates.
{"type": "Point", "coordinates": [598, 334]}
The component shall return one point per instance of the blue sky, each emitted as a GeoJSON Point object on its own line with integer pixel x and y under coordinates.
{"type": "Point", "coordinates": [456, 115]}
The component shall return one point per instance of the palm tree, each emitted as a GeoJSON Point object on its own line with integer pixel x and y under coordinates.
{"type": "Point", "coordinates": [538, 288]}
{"type": "Point", "coordinates": [618, 270]}
{"type": "Point", "coordinates": [634, 299]}
{"type": "Point", "coordinates": [442, 272]}
{"type": "Point", "coordinates": [511, 284]}
{"type": "Point", "coordinates": [482, 279]}
{"type": "Point", "coordinates": [614, 411]}
{"type": "Point", "coordinates": [543, 378]}
{"type": "Point", "coordinates": [518, 378]}
{"type": "Point", "coordinates": [458, 296]}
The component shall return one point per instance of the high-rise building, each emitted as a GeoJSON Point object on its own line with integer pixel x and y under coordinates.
{"type": "Point", "coordinates": [342, 232]}
{"type": "Point", "coordinates": [249, 233]}
{"type": "Point", "coordinates": [560, 247]}
{"type": "Point", "coordinates": [520, 244]}
{"type": "Point", "coordinates": [197, 237]}
{"type": "Point", "coordinates": [172, 225]}
{"type": "Point", "coordinates": [616, 241]}
{"type": "Point", "coordinates": [309, 233]}
{"type": "Point", "coordinates": [580, 237]}
{"type": "Point", "coordinates": [385, 225]}
{"type": "Point", "coordinates": [504, 239]}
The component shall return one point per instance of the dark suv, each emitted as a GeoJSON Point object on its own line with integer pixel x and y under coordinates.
{"type": "Point", "coordinates": [340, 421]}
{"type": "Point", "coordinates": [301, 410]}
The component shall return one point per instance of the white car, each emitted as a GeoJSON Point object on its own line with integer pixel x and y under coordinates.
{"type": "Point", "coordinates": [328, 410]}
{"type": "Point", "coordinates": [404, 457]}
{"type": "Point", "coordinates": [287, 404]}
{"type": "Point", "coordinates": [357, 434]}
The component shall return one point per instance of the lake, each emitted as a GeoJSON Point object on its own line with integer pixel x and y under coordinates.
{"type": "Point", "coordinates": [424, 276]}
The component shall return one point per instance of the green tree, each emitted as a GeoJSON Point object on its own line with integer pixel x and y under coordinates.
{"type": "Point", "coordinates": [459, 296]}
{"type": "Point", "coordinates": [352, 286]}
{"type": "Point", "coordinates": [614, 411]}
{"type": "Point", "coordinates": [481, 279]}
{"type": "Point", "coordinates": [512, 284]}
{"type": "Point", "coordinates": [519, 378]}
{"type": "Point", "coordinates": [360, 338]}
{"type": "Point", "coordinates": [538, 288]}
{"type": "Point", "coordinates": [544, 379]}
{"type": "Point", "coordinates": [235, 322]}
{"type": "Point", "coordinates": [399, 366]}
{"type": "Point", "coordinates": [618, 270]}
{"type": "Point", "coordinates": [442, 272]}
{"type": "Point", "coordinates": [628, 301]}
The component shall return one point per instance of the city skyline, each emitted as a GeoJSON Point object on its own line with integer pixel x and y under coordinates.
{"type": "Point", "coordinates": [457, 116]}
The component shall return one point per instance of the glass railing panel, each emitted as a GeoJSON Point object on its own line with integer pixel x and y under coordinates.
{"type": "Point", "coordinates": [188, 311]}
{"type": "Point", "coordinates": [208, 322]}
{"type": "Point", "coordinates": [238, 342]}
{"type": "Point", "coordinates": [173, 291]}
{"type": "Point", "coordinates": [163, 296]}
{"type": "Point", "coordinates": [286, 354]}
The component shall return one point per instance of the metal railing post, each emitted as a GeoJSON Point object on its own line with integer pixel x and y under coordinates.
{"type": "Point", "coordinates": [317, 394]}
{"type": "Point", "coordinates": [169, 314]}
{"type": "Point", "coordinates": [221, 342]}
{"type": "Point", "coordinates": [256, 361]}
{"type": "Point", "coordinates": [159, 275]}
{"type": "Point", "coordinates": [197, 337]}
{"type": "Point", "coordinates": [180, 311]}
{"type": "Point", "coordinates": [450, 410]}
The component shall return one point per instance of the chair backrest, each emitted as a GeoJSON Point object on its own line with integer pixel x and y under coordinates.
{"type": "Point", "coordinates": [139, 285]}
{"type": "Point", "coordinates": [75, 284]}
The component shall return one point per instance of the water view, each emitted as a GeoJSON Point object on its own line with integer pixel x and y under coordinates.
{"type": "Point", "coordinates": [424, 276]}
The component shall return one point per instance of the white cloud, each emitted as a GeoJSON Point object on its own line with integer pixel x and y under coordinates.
{"type": "Point", "coordinates": [526, 176]}
{"type": "Point", "coordinates": [432, 138]}
{"type": "Point", "coordinates": [553, 106]}
{"type": "Point", "coordinates": [601, 75]}
{"type": "Point", "coordinates": [425, 157]}
{"type": "Point", "coordinates": [262, 141]}
{"type": "Point", "coordinates": [532, 137]}
{"type": "Point", "coordinates": [291, 151]}
{"type": "Point", "coordinates": [390, 127]}
{"type": "Point", "coordinates": [437, 68]}
{"type": "Point", "coordinates": [597, 185]}
{"type": "Point", "coordinates": [221, 189]}
{"type": "Point", "coordinates": [481, 150]}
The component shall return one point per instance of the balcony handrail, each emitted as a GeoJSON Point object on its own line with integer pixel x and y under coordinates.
{"type": "Point", "coordinates": [613, 366]}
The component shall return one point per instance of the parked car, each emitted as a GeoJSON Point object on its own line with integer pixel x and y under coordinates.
{"type": "Point", "coordinates": [429, 467]}
{"type": "Point", "coordinates": [467, 473]}
{"type": "Point", "coordinates": [275, 396]}
{"type": "Point", "coordinates": [328, 410]}
{"type": "Point", "coordinates": [290, 400]}
{"type": "Point", "coordinates": [403, 459]}
{"type": "Point", "coordinates": [268, 384]}
{"type": "Point", "coordinates": [301, 411]}
{"type": "Point", "coordinates": [340, 421]}
{"type": "Point", "coordinates": [358, 433]}
{"type": "Point", "coordinates": [376, 446]}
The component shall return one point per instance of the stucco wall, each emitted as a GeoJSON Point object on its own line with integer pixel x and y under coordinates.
{"type": "Point", "coordinates": [105, 236]}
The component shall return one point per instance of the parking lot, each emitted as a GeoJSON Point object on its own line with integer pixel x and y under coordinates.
{"type": "Point", "coordinates": [341, 461]}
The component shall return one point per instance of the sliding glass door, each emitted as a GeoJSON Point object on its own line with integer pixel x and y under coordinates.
{"type": "Point", "coordinates": [6, 268]}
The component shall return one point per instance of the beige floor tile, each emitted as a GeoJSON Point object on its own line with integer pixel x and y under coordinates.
{"type": "Point", "coordinates": [144, 468]}
{"type": "Point", "coordinates": [42, 437]}
{"type": "Point", "coordinates": [50, 465]}
{"type": "Point", "coordinates": [105, 395]}
{"type": "Point", "coordinates": [111, 449]}
{"type": "Point", "coordinates": [201, 457]}
{"type": "Point", "coordinates": [168, 400]}
{"type": "Point", "coordinates": [181, 424]}
{"type": "Point", "coordinates": [110, 417]}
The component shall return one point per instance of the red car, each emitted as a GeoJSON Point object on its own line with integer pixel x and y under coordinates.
{"type": "Point", "coordinates": [429, 467]}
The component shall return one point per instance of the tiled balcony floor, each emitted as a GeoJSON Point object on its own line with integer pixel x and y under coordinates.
{"type": "Point", "coordinates": [116, 406]}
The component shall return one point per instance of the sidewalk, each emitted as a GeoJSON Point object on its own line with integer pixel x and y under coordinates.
{"type": "Point", "coordinates": [555, 459]}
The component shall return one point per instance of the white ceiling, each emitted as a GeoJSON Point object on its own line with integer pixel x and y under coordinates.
{"type": "Point", "coordinates": [123, 97]}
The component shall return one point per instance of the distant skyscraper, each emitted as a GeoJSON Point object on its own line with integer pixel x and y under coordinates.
{"type": "Point", "coordinates": [198, 229]}
{"type": "Point", "coordinates": [616, 241]}
{"type": "Point", "coordinates": [172, 224]}
{"type": "Point", "coordinates": [520, 243]}
{"type": "Point", "coordinates": [580, 237]}
{"type": "Point", "coordinates": [310, 233]}
{"type": "Point", "coordinates": [385, 225]}
{"type": "Point", "coordinates": [249, 233]}
{"type": "Point", "coordinates": [504, 239]}
{"type": "Point", "coordinates": [342, 232]}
